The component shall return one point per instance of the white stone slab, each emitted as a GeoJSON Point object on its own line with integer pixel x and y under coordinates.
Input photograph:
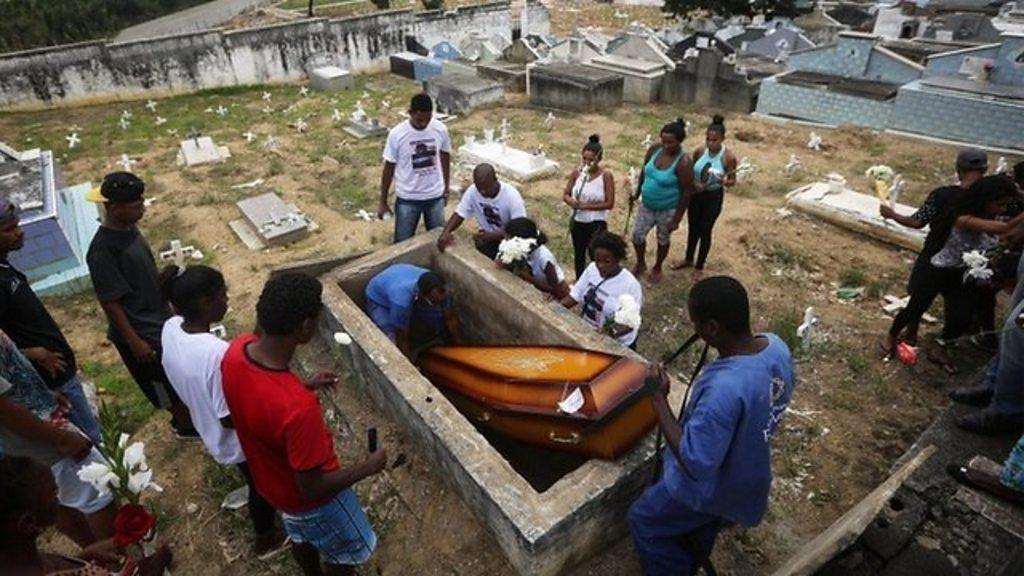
{"type": "Point", "coordinates": [509, 162]}
{"type": "Point", "coordinates": [855, 211]}
{"type": "Point", "coordinates": [274, 221]}
{"type": "Point", "coordinates": [201, 150]}
{"type": "Point", "coordinates": [361, 130]}
{"type": "Point", "coordinates": [330, 79]}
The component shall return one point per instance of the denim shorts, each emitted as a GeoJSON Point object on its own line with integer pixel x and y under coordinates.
{"type": "Point", "coordinates": [339, 530]}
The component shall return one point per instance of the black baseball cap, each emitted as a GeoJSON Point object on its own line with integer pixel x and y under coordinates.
{"type": "Point", "coordinates": [972, 159]}
{"type": "Point", "coordinates": [117, 187]}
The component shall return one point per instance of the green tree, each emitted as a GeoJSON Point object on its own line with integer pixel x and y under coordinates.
{"type": "Point", "coordinates": [687, 8]}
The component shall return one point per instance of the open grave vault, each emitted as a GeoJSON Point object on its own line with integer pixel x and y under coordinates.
{"type": "Point", "coordinates": [547, 511]}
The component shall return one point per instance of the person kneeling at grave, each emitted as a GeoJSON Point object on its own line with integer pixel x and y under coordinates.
{"type": "Point", "coordinates": [525, 254]}
{"type": "Point", "coordinates": [492, 204]}
{"type": "Point", "coordinates": [412, 305]}
{"type": "Point", "coordinates": [717, 462]}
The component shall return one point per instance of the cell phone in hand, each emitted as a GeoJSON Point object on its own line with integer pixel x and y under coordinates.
{"type": "Point", "coordinates": [371, 439]}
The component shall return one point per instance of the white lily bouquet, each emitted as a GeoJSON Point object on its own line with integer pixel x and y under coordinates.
{"type": "Point", "coordinates": [125, 474]}
{"type": "Point", "coordinates": [513, 253]}
{"type": "Point", "coordinates": [627, 315]}
{"type": "Point", "coordinates": [977, 266]}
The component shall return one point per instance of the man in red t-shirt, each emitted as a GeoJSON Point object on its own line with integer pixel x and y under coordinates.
{"type": "Point", "coordinates": [286, 442]}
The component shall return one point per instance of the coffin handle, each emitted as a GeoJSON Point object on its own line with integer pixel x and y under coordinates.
{"type": "Point", "coordinates": [572, 438]}
{"type": "Point", "coordinates": [483, 417]}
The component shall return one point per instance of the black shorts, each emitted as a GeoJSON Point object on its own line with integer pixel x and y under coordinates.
{"type": "Point", "coordinates": [150, 377]}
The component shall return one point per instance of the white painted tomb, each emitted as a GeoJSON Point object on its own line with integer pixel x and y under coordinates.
{"type": "Point", "coordinates": [509, 162]}
{"type": "Point", "coordinates": [330, 79]}
{"type": "Point", "coordinates": [838, 204]}
{"type": "Point", "coordinates": [201, 150]}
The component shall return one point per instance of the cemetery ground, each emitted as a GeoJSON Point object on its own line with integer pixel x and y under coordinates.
{"type": "Point", "coordinates": [852, 415]}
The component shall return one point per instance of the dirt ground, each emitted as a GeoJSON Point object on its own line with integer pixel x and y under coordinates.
{"type": "Point", "coordinates": [851, 416]}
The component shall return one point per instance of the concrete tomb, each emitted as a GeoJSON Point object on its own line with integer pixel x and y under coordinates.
{"type": "Point", "coordinates": [547, 510]}
{"type": "Point", "coordinates": [512, 76]}
{"type": "Point", "coordinates": [201, 150]}
{"type": "Point", "coordinates": [570, 87]}
{"type": "Point", "coordinates": [641, 61]}
{"type": "Point", "coordinates": [268, 221]}
{"type": "Point", "coordinates": [330, 79]}
{"type": "Point", "coordinates": [509, 162]}
{"type": "Point", "coordinates": [58, 222]}
{"type": "Point", "coordinates": [844, 207]}
{"type": "Point", "coordinates": [404, 63]}
{"type": "Point", "coordinates": [461, 93]}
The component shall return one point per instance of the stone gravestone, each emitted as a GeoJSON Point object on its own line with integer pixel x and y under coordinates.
{"type": "Point", "coordinates": [362, 126]}
{"type": "Point", "coordinates": [201, 150]}
{"type": "Point", "coordinates": [570, 87]}
{"type": "Point", "coordinates": [509, 162]}
{"type": "Point", "coordinates": [268, 221]}
{"type": "Point", "coordinates": [330, 79]}
{"type": "Point", "coordinates": [461, 93]}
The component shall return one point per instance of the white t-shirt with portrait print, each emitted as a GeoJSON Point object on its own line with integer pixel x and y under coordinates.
{"type": "Point", "coordinates": [491, 214]}
{"type": "Point", "coordinates": [416, 155]}
{"type": "Point", "coordinates": [599, 297]}
{"type": "Point", "coordinates": [539, 260]}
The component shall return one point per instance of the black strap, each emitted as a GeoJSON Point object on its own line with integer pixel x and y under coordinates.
{"type": "Point", "coordinates": [686, 398]}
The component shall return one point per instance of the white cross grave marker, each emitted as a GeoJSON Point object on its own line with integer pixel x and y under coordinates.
{"type": "Point", "coordinates": [151, 105]}
{"type": "Point", "coordinates": [126, 162]}
{"type": "Point", "coordinates": [72, 139]}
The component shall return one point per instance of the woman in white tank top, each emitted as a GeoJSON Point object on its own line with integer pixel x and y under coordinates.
{"type": "Point", "coordinates": [590, 192]}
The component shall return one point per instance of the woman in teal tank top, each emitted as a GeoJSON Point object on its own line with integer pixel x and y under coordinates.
{"type": "Point", "coordinates": [715, 169]}
{"type": "Point", "coordinates": [664, 189]}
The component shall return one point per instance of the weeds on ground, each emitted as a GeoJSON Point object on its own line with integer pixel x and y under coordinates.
{"type": "Point", "coordinates": [128, 407]}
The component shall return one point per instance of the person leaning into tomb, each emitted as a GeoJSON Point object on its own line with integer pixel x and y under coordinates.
{"type": "Point", "coordinates": [717, 460]}
{"type": "Point", "coordinates": [417, 158]}
{"type": "Point", "coordinates": [411, 305]}
{"type": "Point", "coordinates": [541, 268]}
{"type": "Point", "coordinates": [492, 204]}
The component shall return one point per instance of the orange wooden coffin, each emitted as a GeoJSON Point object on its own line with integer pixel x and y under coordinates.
{"type": "Point", "coordinates": [516, 390]}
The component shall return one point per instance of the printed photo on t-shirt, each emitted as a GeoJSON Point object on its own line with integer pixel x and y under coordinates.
{"type": "Point", "coordinates": [492, 215]}
{"type": "Point", "coordinates": [424, 154]}
{"type": "Point", "coordinates": [593, 303]}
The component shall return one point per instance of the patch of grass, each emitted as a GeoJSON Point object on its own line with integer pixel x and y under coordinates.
{"type": "Point", "coordinates": [275, 167]}
{"type": "Point", "coordinates": [127, 408]}
{"type": "Point", "coordinates": [784, 325]}
{"type": "Point", "coordinates": [852, 277]}
{"type": "Point", "coordinates": [221, 480]}
{"type": "Point", "coordinates": [857, 364]}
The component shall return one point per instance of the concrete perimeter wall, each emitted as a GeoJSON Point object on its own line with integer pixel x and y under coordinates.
{"type": "Point", "coordinates": [98, 71]}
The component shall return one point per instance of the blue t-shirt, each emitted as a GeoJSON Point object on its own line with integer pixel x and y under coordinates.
{"type": "Point", "coordinates": [394, 289]}
{"type": "Point", "coordinates": [735, 406]}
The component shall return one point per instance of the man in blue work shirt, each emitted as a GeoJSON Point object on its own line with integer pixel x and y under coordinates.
{"type": "Point", "coordinates": [717, 463]}
{"type": "Point", "coordinates": [402, 296]}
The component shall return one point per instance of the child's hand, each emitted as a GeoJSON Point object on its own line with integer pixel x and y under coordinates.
{"type": "Point", "coordinates": [322, 380]}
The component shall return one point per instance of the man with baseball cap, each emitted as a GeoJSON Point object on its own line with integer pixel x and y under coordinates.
{"type": "Point", "coordinates": [29, 325]}
{"type": "Point", "coordinates": [971, 165]}
{"type": "Point", "coordinates": [127, 284]}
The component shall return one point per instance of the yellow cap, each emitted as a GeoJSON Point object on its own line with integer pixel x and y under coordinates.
{"type": "Point", "coordinates": [94, 195]}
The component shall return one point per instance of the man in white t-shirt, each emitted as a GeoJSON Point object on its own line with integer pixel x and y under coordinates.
{"type": "Point", "coordinates": [492, 204]}
{"type": "Point", "coordinates": [417, 157]}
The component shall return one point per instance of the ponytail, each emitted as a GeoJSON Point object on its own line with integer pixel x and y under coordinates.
{"type": "Point", "coordinates": [185, 288]}
{"type": "Point", "coordinates": [677, 128]}
{"type": "Point", "coordinates": [594, 145]}
{"type": "Point", "coordinates": [717, 124]}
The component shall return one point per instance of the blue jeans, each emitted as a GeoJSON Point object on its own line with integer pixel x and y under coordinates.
{"type": "Point", "coordinates": [81, 413]}
{"type": "Point", "coordinates": [407, 216]}
{"type": "Point", "coordinates": [1007, 368]}
{"type": "Point", "coordinates": [667, 533]}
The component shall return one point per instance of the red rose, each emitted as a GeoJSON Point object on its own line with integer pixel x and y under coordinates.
{"type": "Point", "coordinates": [131, 524]}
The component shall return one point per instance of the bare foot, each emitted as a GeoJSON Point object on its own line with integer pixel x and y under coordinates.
{"type": "Point", "coordinates": [697, 275]}
{"type": "Point", "coordinates": [639, 270]}
{"type": "Point", "coordinates": [655, 276]}
{"type": "Point", "coordinates": [681, 265]}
